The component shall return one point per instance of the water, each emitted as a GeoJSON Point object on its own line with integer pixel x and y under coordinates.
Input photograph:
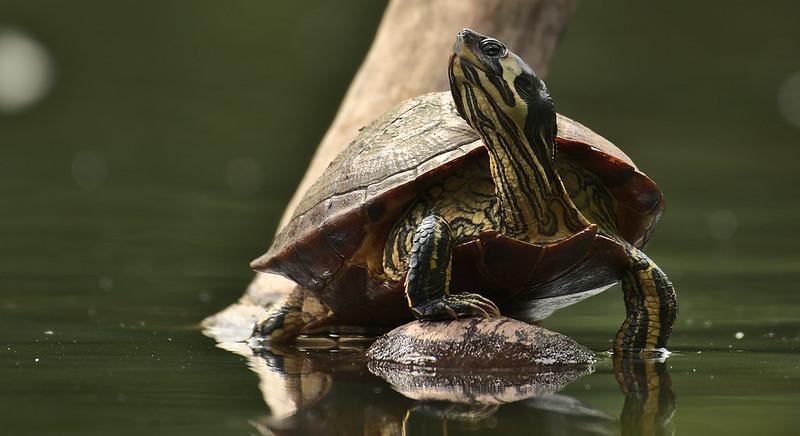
{"type": "Point", "coordinates": [155, 165]}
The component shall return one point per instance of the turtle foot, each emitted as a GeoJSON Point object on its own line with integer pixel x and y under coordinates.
{"type": "Point", "coordinates": [639, 336]}
{"type": "Point", "coordinates": [456, 306]}
{"type": "Point", "coordinates": [281, 324]}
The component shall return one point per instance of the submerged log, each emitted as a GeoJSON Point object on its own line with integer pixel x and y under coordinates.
{"type": "Point", "coordinates": [477, 360]}
{"type": "Point", "coordinates": [479, 344]}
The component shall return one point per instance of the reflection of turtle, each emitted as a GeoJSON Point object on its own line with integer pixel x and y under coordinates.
{"type": "Point", "coordinates": [334, 394]}
{"type": "Point", "coordinates": [649, 399]}
{"type": "Point", "coordinates": [466, 219]}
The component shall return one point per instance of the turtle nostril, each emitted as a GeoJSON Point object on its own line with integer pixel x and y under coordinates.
{"type": "Point", "coordinates": [457, 45]}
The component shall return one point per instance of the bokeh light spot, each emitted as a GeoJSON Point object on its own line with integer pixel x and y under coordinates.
{"type": "Point", "coordinates": [26, 71]}
{"type": "Point", "coordinates": [789, 99]}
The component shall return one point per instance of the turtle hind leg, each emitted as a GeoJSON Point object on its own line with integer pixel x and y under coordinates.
{"type": "Point", "coordinates": [428, 279]}
{"type": "Point", "coordinates": [651, 306]}
{"type": "Point", "coordinates": [283, 321]}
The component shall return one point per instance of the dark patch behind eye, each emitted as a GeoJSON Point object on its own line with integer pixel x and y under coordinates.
{"type": "Point", "coordinates": [541, 112]}
{"type": "Point", "coordinates": [524, 87]}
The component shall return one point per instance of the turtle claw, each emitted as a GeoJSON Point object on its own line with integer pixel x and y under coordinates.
{"type": "Point", "coordinates": [456, 306]}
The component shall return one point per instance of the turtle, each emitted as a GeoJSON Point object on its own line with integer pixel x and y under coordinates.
{"type": "Point", "coordinates": [476, 202]}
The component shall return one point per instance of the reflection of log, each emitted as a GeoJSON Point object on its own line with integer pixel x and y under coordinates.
{"type": "Point", "coordinates": [408, 57]}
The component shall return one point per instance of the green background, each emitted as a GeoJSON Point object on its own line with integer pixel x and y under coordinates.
{"type": "Point", "coordinates": [195, 120]}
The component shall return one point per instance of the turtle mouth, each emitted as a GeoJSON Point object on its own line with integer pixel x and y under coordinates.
{"type": "Point", "coordinates": [465, 49]}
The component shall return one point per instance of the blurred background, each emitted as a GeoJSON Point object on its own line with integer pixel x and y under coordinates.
{"type": "Point", "coordinates": [147, 150]}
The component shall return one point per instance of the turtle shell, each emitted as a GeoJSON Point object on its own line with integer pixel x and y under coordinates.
{"type": "Point", "coordinates": [334, 241]}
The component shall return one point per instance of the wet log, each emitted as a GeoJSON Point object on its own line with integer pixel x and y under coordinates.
{"type": "Point", "coordinates": [477, 360]}
{"type": "Point", "coordinates": [479, 344]}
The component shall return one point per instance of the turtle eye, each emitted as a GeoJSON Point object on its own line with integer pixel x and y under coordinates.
{"type": "Point", "coordinates": [493, 48]}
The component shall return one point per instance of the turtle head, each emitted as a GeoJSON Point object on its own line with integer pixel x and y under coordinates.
{"type": "Point", "coordinates": [491, 86]}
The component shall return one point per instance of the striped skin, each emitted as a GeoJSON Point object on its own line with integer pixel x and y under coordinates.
{"type": "Point", "coordinates": [467, 200]}
{"type": "Point", "coordinates": [427, 283]}
{"type": "Point", "coordinates": [650, 303]}
{"type": "Point", "coordinates": [516, 120]}
{"type": "Point", "coordinates": [590, 196]}
{"type": "Point", "coordinates": [517, 123]}
{"type": "Point", "coordinates": [430, 261]}
{"type": "Point", "coordinates": [509, 107]}
{"type": "Point", "coordinates": [284, 320]}
{"type": "Point", "coordinates": [649, 399]}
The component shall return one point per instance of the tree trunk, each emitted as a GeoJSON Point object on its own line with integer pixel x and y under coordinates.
{"type": "Point", "coordinates": [408, 57]}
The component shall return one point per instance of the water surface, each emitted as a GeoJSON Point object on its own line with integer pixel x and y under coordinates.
{"type": "Point", "coordinates": [135, 190]}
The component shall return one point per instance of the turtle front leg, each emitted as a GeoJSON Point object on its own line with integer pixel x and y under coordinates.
{"type": "Point", "coordinates": [283, 321]}
{"type": "Point", "coordinates": [650, 304]}
{"type": "Point", "coordinates": [428, 279]}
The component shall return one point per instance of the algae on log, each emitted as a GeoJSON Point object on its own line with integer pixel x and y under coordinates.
{"type": "Point", "coordinates": [417, 34]}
